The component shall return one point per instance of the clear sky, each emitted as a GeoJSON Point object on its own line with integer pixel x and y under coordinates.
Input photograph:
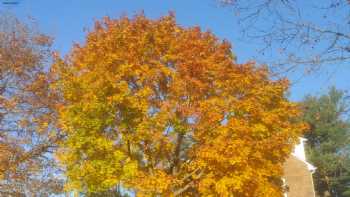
{"type": "Point", "coordinates": [66, 20]}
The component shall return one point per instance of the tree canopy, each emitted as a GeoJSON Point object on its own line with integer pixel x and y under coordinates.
{"type": "Point", "coordinates": [26, 112]}
{"type": "Point", "coordinates": [328, 141]}
{"type": "Point", "coordinates": [165, 110]}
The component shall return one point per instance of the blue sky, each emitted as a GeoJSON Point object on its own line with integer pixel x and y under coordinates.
{"type": "Point", "coordinates": [66, 21]}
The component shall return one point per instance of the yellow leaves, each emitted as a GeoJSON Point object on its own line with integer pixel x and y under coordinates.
{"type": "Point", "coordinates": [157, 183]}
{"type": "Point", "coordinates": [165, 112]}
{"type": "Point", "coordinates": [259, 130]}
{"type": "Point", "coordinates": [224, 186]}
{"type": "Point", "coordinates": [107, 167]}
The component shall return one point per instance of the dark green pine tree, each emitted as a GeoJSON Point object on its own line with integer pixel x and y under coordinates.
{"type": "Point", "coordinates": [328, 142]}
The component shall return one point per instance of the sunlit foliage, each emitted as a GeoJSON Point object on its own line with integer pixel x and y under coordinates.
{"type": "Point", "coordinates": [165, 110]}
{"type": "Point", "coordinates": [26, 112]}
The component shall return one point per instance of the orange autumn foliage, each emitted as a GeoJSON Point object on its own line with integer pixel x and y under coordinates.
{"type": "Point", "coordinates": [27, 112]}
{"type": "Point", "coordinates": [165, 110]}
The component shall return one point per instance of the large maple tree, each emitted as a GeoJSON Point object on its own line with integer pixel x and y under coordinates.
{"type": "Point", "coordinates": [165, 110]}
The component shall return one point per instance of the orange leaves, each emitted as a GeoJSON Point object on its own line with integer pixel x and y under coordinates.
{"type": "Point", "coordinates": [173, 102]}
{"type": "Point", "coordinates": [27, 134]}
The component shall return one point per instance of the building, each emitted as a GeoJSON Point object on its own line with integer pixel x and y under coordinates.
{"type": "Point", "coordinates": [298, 174]}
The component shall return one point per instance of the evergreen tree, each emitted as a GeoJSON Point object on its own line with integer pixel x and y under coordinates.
{"type": "Point", "coordinates": [328, 142]}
